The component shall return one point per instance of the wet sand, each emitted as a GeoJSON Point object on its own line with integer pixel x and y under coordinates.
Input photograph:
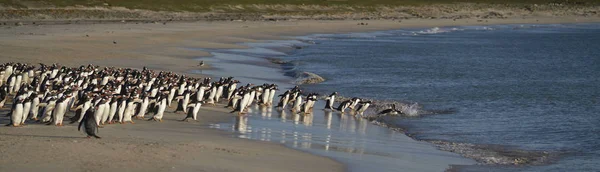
{"type": "Point", "coordinates": [171, 145]}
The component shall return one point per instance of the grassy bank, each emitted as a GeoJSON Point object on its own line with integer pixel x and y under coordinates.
{"type": "Point", "coordinates": [210, 5]}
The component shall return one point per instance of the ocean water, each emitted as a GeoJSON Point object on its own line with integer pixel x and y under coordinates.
{"type": "Point", "coordinates": [530, 89]}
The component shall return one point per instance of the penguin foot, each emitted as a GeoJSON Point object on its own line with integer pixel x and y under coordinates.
{"type": "Point", "coordinates": [132, 122]}
{"type": "Point", "coordinates": [160, 120]}
{"type": "Point", "coordinates": [100, 126]}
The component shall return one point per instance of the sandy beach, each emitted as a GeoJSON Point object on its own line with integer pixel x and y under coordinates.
{"type": "Point", "coordinates": [170, 145]}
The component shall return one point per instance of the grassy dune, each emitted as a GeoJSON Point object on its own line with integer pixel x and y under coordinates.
{"type": "Point", "coordinates": [208, 5]}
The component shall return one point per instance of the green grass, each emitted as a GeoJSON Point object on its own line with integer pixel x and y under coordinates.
{"type": "Point", "coordinates": [204, 5]}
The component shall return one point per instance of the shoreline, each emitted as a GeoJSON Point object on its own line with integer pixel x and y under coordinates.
{"type": "Point", "coordinates": [98, 48]}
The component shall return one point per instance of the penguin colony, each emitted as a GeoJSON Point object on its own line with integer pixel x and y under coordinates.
{"type": "Point", "coordinates": [98, 96]}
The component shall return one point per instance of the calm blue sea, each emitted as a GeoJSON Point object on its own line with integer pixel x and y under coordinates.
{"type": "Point", "coordinates": [523, 87]}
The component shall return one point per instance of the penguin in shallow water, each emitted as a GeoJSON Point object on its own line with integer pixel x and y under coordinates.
{"type": "Point", "coordinates": [391, 111]}
{"type": "Point", "coordinates": [330, 100]}
{"type": "Point", "coordinates": [344, 105]}
{"type": "Point", "coordinates": [283, 100]}
{"type": "Point", "coordinates": [354, 102]}
{"type": "Point", "coordinates": [89, 123]}
{"type": "Point", "coordinates": [362, 107]}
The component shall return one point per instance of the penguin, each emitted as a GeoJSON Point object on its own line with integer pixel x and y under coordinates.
{"type": "Point", "coordinates": [59, 111]}
{"type": "Point", "coordinates": [162, 105]}
{"type": "Point", "coordinates": [297, 104]}
{"type": "Point", "coordinates": [121, 109]}
{"type": "Point", "coordinates": [106, 111]}
{"type": "Point", "coordinates": [283, 100]}
{"type": "Point", "coordinates": [363, 107]}
{"type": "Point", "coordinates": [183, 101]}
{"type": "Point", "coordinates": [3, 95]}
{"type": "Point", "coordinates": [343, 106]}
{"type": "Point", "coordinates": [171, 95]}
{"type": "Point", "coordinates": [89, 123]}
{"type": "Point", "coordinates": [310, 102]}
{"type": "Point", "coordinates": [271, 95]}
{"type": "Point", "coordinates": [113, 109]}
{"type": "Point", "coordinates": [391, 111]}
{"type": "Point", "coordinates": [355, 102]}
{"type": "Point", "coordinates": [219, 92]}
{"type": "Point", "coordinates": [48, 109]}
{"type": "Point", "coordinates": [330, 100]}
{"type": "Point", "coordinates": [193, 109]}
{"type": "Point", "coordinates": [143, 107]}
{"type": "Point", "coordinates": [26, 109]}
{"type": "Point", "coordinates": [129, 110]}
{"type": "Point", "coordinates": [211, 95]}
{"type": "Point", "coordinates": [99, 112]}
{"type": "Point", "coordinates": [35, 102]}
{"type": "Point", "coordinates": [242, 103]}
{"type": "Point", "coordinates": [17, 113]}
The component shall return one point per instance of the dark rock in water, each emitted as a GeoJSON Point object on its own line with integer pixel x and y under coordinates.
{"type": "Point", "coordinates": [276, 60]}
{"type": "Point", "coordinates": [308, 78]}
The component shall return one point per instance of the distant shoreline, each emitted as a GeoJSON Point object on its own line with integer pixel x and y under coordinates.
{"type": "Point", "coordinates": [295, 12]}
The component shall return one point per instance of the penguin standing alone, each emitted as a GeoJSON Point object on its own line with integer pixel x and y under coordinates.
{"type": "Point", "coordinates": [89, 124]}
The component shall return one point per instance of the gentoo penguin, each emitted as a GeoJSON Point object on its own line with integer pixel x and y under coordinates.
{"type": "Point", "coordinates": [172, 92]}
{"type": "Point", "coordinates": [271, 95]}
{"type": "Point", "coordinates": [35, 102]}
{"type": "Point", "coordinates": [59, 111]}
{"type": "Point", "coordinates": [99, 112]}
{"type": "Point", "coordinates": [355, 102]}
{"type": "Point", "coordinates": [17, 113]}
{"type": "Point", "coordinates": [362, 107]}
{"type": "Point", "coordinates": [162, 105]}
{"type": "Point", "coordinates": [113, 109]}
{"type": "Point", "coordinates": [219, 92]}
{"type": "Point", "coordinates": [310, 102]}
{"type": "Point", "coordinates": [391, 111]}
{"type": "Point", "coordinates": [183, 102]}
{"type": "Point", "coordinates": [241, 107]}
{"type": "Point", "coordinates": [26, 109]}
{"type": "Point", "coordinates": [344, 105]}
{"type": "Point", "coordinates": [48, 109]}
{"type": "Point", "coordinates": [143, 107]}
{"type": "Point", "coordinates": [84, 104]}
{"type": "Point", "coordinates": [297, 104]}
{"type": "Point", "coordinates": [283, 100]}
{"type": "Point", "coordinates": [3, 95]}
{"type": "Point", "coordinates": [211, 95]}
{"type": "Point", "coordinates": [89, 123]}
{"type": "Point", "coordinates": [193, 109]}
{"type": "Point", "coordinates": [129, 110]}
{"type": "Point", "coordinates": [330, 101]}
{"type": "Point", "coordinates": [122, 106]}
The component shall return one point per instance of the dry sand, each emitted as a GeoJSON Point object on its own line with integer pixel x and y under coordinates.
{"type": "Point", "coordinates": [170, 145]}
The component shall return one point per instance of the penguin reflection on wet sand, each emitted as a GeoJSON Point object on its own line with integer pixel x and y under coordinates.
{"type": "Point", "coordinates": [89, 124]}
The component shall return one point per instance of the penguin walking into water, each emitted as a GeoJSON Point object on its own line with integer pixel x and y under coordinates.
{"type": "Point", "coordinates": [273, 90]}
{"type": "Point", "coordinates": [211, 95]}
{"type": "Point", "coordinates": [355, 102]}
{"type": "Point", "coordinates": [241, 106]}
{"type": "Point", "coordinates": [330, 100]}
{"type": "Point", "coordinates": [343, 106]}
{"type": "Point", "coordinates": [283, 100]}
{"type": "Point", "coordinates": [297, 104]}
{"type": "Point", "coordinates": [89, 124]}
{"type": "Point", "coordinates": [391, 111]}
{"type": "Point", "coordinates": [310, 102]}
{"type": "Point", "coordinates": [362, 107]}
